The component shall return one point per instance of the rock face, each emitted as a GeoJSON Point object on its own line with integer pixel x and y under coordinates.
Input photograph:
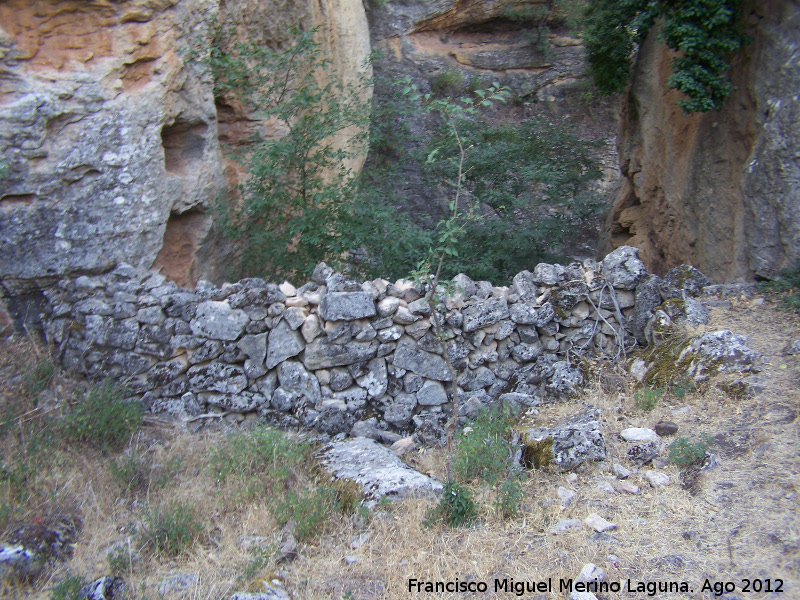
{"type": "Point", "coordinates": [719, 190]}
{"type": "Point", "coordinates": [110, 131]}
{"type": "Point", "coordinates": [107, 130]}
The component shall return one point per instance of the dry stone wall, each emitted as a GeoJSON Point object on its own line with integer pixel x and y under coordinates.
{"type": "Point", "coordinates": [343, 356]}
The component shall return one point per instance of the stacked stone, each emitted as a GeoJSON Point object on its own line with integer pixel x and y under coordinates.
{"type": "Point", "coordinates": [335, 353]}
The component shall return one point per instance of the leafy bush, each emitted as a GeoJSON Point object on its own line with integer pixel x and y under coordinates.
{"type": "Point", "coordinates": [704, 34]}
{"type": "Point", "coordinates": [647, 398]}
{"type": "Point", "coordinates": [485, 453]}
{"type": "Point", "coordinates": [456, 507]}
{"type": "Point", "coordinates": [170, 530]}
{"type": "Point", "coordinates": [104, 419]}
{"type": "Point", "coordinates": [684, 453]}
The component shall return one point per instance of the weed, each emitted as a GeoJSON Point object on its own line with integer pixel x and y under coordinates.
{"type": "Point", "coordinates": [67, 588]}
{"type": "Point", "coordinates": [647, 398]}
{"type": "Point", "coordinates": [447, 82]}
{"type": "Point", "coordinates": [39, 377]}
{"type": "Point", "coordinates": [787, 288]}
{"type": "Point", "coordinates": [455, 508]}
{"type": "Point", "coordinates": [170, 530]}
{"type": "Point", "coordinates": [684, 453]}
{"type": "Point", "coordinates": [129, 472]}
{"type": "Point", "coordinates": [509, 495]}
{"type": "Point", "coordinates": [309, 510]}
{"type": "Point", "coordinates": [104, 420]}
{"type": "Point", "coordinates": [263, 556]}
{"type": "Point", "coordinates": [263, 460]}
{"type": "Point", "coordinates": [120, 560]}
{"type": "Point", "coordinates": [485, 453]}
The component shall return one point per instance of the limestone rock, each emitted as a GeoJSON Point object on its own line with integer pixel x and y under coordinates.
{"type": "Point", "coordinates": [598, 523]}
{"type": "Point", "coordinates": [376, 469]}
{"type": "Point", "coordinates": [320, 354]}
{"type": "Point", "coordinates": [346, 306]}
{"type": "Point", "coordinates": [623, 269]}
{"type": "Point", "coordinates": [284, 343]}
{"type": "Point", "coordinates": [484, 313]}
{"type": "Point", "coordinates": [567, 445]}
{"type": "Point", "coordinates": [408, 355]}
{"type": "Point", "coordinates": [718, 351]}
{"type": "Point", "coordinates": [217, 377]}
{"type": "Point", "coordinates": [638, 434]}
{"type": "Point", "coordinates": [432, 393]}
{"type": "Point", "coordinates": [218, 321]}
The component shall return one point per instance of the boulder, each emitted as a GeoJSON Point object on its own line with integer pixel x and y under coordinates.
{"type": "Point", "coordinates": [376, 469]}
{"type": "Point", "coordinates": [567, 445]}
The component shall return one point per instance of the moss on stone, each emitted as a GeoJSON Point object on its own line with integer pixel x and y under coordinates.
{"type": "Point", "coordinates": [537, 454]}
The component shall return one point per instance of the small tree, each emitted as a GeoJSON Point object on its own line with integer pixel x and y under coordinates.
{"type": "Point", "coordinates": [296, 206]}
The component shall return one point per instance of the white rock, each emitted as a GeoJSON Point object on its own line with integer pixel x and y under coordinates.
{"type": "Point", "coordinates": [288, 289]}
{"type": "Point", "coordinates": [598, 523]}
{"type": "Point", "coordinates": [657, 479]}
{"type": "Point", "coordinates": [638, 434]}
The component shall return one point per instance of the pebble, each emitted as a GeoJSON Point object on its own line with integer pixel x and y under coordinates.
{"type": "Point", "coordinates": [566, 496]}
{"type": "Point", "coordinates": [665, 428]}
{"type": "Point", "coordinates": [621, 472]}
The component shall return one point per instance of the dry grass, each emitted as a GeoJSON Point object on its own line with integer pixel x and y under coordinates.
{"type": "Point", "coordinates": [740, 521]}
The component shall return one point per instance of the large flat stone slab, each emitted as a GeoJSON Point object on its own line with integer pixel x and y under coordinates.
{"type": "Point", "coordinates": [376, 469]}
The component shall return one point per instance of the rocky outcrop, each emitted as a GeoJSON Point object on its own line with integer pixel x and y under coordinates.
{"type": "Point", "coordinates": [107, 130]}
{"type": "Point", "coordinates": [717, 190]}
{"type": "Point", "coordinates": [110, 131]}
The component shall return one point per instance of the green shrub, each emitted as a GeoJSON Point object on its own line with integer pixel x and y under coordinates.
{"type": "Point", "coordinates": [485, 453]}
{"type": "Point", "coordinates": [684, 453]}
{"type": "Point", "coordinates": [456, 507]}
{"type": "Point", "coordinates": [67, 588]}
{"type": "Point", "coordinates": [129, 472]}
{"type": "Point", "coordinates": [509, 496]}
{"type": "Point", "coordinates": [170, 530]}
{"type": "Point", "coordinates": [647, 398]}
{"type": "Point", "coordinates": [104, 419]}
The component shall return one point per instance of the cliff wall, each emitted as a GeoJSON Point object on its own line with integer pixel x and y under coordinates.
{"type": "Point", "coordinates": [719, 190]}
